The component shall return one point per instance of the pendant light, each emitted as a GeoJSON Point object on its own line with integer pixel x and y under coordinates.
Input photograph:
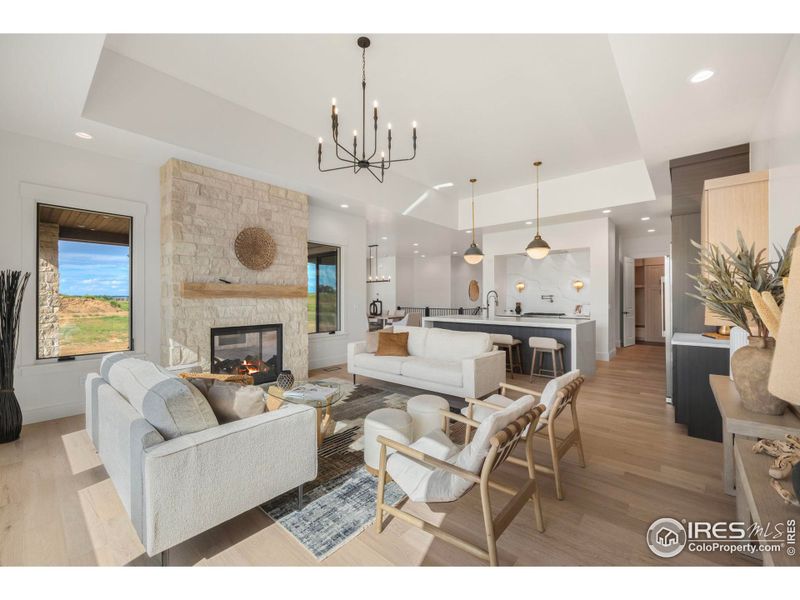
{"type": "Point", "coordinates": [473, 254]}
{"type": "Point", "coordinates": [538, 248]}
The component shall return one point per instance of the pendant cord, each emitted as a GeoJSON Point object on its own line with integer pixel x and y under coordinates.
{"type": "Point", "coordinates": [473, 212]}
{"type": "Point", "coordinates": [537, 200]}
{"type": "Point", "coordinates": [364, 101]}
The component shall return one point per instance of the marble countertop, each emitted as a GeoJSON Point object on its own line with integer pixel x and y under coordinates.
{"type": "Point", "coordinates": [551, 322]}
{"type": "Point", "coordinates": [698, 339]}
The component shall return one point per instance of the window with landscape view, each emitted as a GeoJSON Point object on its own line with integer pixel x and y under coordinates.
{"type": "Point", "coordinates": [323, 288]}
{"type": "Point", "coordinates": [84, 284]}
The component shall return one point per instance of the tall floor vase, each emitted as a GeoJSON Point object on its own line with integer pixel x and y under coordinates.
{"type": "Point", "coordinates": [12, 289]}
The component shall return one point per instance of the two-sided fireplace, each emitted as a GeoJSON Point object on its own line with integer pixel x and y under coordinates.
{"type": "Point", "coordinates": [255, 350]}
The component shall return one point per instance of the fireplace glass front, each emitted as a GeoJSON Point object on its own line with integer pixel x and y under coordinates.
{"type": "Point", "coordinates": [255, 350]}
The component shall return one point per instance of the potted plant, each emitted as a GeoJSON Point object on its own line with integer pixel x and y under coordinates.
{"type": "Point", "coordinates": [723, 285]}
{"type": "Point", "coordinates": [12, 288]}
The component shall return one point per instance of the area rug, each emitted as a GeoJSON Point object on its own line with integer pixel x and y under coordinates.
{"type": "Point", "coordinates": [340, 503]}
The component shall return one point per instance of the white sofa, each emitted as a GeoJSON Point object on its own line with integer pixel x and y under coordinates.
{"type": "Point", "coordinates": [174, 489]}
{"type": "Point", "coordinates": [458, 363]}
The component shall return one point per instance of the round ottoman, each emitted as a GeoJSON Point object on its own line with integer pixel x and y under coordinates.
{"type": "Point", "coordinates": [391, 423]}
{"type": "Point", "coordinates": [424, 410]}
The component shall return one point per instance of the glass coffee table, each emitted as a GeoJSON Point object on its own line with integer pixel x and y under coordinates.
{"type": "Point", "coordinates": [275, 399]}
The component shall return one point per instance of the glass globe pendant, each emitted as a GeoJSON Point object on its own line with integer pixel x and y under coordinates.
{"type": "Point", "coordinates": [473, 255]}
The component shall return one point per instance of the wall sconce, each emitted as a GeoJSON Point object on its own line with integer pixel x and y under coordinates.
{"type": "Point", "coordinates": [520, 285]}
{"type": "Point", "coordinates": [578, 285]}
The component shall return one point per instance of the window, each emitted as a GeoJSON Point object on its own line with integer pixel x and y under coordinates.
{"type": "Point", "coordinates": [84, 282]}
{"type": "Point", "coordinates": [323, 288]}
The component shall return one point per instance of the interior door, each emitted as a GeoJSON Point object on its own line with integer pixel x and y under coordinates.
{"type": "Point", "coordinates": [628, 303]}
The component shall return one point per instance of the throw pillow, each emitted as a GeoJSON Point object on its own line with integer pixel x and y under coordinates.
{"type": "Point", "coordinates": [172, 405]}
{"type": "Point", "coordinates": [392, 344]}
{"type": "Point", "coordinates": [372, 342]}
{"type": "Point", "coordinates": [234, 401]}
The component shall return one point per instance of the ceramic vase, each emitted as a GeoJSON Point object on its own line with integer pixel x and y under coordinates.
{"type": "Point", "coordinates": [285, 380]}
{"type": "Point", "coordinates": [750, 366]}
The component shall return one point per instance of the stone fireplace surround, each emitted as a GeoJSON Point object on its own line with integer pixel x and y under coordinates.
{"type": "Point", "coordinates": [202, 211]}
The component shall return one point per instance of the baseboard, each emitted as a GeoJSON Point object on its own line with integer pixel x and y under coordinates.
{"type": "Point", "coordinates": [605, 356]}
{"type": "Point", "coordinates": [54, 411]}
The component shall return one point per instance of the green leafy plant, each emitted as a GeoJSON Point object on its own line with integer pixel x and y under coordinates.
{"type": "Point", "coordinates": [726, 277]}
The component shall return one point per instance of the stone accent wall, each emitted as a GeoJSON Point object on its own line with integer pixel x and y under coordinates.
{"type": "Point", "coordinates": [202, 212]}
{"type": "Point", "coordinates": [49, 298]}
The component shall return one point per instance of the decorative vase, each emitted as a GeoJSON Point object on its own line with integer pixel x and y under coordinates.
{"type": "Point", "coordinates": [750, 366]}
{"type": "Point", "coordinates": [285, 380]}
{"type": "Point", "coordinates": [518, 308]}
{"type": "Point", "coordinates": [10, 417]}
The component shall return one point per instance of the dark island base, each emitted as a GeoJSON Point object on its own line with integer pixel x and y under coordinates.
{"type": "Point", "coordinates": [522, 334]}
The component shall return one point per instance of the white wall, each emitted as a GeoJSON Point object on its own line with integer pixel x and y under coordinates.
{"type": "Point", "coordinates": [594, 234]}
{"type": "Point", "coordinates": [461, 273]}
{"type": "Point", "coordinates": [51, 390]}
{"type": "Point", "coordinates": [404, 290]}
{"type": "Point", "coordinates": [432, 281]}
{"type": "Point", "coordinates": [553, 275]}
{"type": "Point", "coordinates": [350, 234]}
{"type": "Point", "coordinates": [645, 246]}
{"type": "Point", "coordinates": [776, 146]}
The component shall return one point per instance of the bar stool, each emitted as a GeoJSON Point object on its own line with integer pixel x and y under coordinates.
{"type": "Point", "coordinates": [511, 346]}
{"type": "Point", "coordinates": [542, 346]}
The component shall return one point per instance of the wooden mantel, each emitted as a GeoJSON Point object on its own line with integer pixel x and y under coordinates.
{"type": "Point", "coordinates": [241, 290]}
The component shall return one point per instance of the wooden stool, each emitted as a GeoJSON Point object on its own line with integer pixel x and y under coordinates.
{"type": "Point", "coordinates": [542, 346]}
{"type": "Point", "coordinates": [511, 346]}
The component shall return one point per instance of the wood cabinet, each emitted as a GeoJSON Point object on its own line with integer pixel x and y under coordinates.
{"type": "Point", "coordinates": [648, 297]}
{"type": "Point", "coordinates": [731, 204]}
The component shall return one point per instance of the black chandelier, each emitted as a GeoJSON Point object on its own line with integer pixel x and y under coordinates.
{"type": "Point", "coordinates": [352, 160]}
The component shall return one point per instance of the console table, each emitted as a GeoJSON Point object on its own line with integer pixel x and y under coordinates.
{"type": "Point", "coordinates": [738, 421]}
{"type": "Point", "coordinates": [757, 502]}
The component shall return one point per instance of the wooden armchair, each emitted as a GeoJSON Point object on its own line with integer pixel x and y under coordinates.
{"type": "Point", "coordinates": [446, 473]}
{"type": "Point", "coordinates": [559, 394]}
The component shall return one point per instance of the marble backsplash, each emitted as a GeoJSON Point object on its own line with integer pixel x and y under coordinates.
{"type": "Point", "coordinates": [552, 276]}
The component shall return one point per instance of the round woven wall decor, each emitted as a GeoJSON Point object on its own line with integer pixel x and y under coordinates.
{"type": "Point", "coordinates": [255, 248]}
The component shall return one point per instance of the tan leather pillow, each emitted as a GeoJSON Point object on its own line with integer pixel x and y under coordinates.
{"type": "Point", "coordinates": [372, 339]}
{"type": "Point", "coordinates": [234, 401]}
{"type": "Point", "coordinates": [392, 344]}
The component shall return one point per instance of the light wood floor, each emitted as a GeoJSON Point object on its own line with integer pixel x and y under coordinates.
{"type": "Point", "coordinates": [58, 507]}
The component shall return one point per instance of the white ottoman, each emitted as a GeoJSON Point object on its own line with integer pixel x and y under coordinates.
{"type": "Point", "coordinates": [391, 423]}
{"type": "Point", "coordinates": [424, 410]}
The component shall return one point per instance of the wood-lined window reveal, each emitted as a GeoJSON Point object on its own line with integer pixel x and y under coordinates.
{"type": "Point", "coordinates": [323, 288]}
{"type": "Point", "coordinates": [84, 282]}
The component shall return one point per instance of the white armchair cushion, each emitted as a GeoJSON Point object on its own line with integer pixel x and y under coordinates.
{"type": "Point", "coordinates": [170, 404]}
{"type": "Point", "coordinates": [414, 477]}
{"type": "Point", "coordinates": [551, 390]}
{"type": "Point", "coordinates": [429, 369]}
{"type": "Point", "coordinates": [423, 483]}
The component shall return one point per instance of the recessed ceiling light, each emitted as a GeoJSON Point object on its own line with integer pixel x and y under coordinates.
{"type": "Point", "coordinates": [606, 211]}
{"type": "Point", "coordinates": [528, 222]}
{"type": "Point", "coordinates": [701, 75]}
{"type": "Point", "coordinates": [83, 135]}
{"type": "Point", "coordinates": [422, 256]}
{"type": "Point", "coordinates": [441, 186]}
{"type": "Point", "coordinates": [645, 218]}
{"type": "Point", "coordinates": [651, 231]}
{"type": "Point", "coordinates": [416, 251]}
{"type": "Point", "coordinates": [455, 251]}
{"type": "Point", "coordinates": [384, 238]}
{"type": "Point", "coordinates": [345, 205]}
{"type": "Point", "coordinates": [468, 231]}
{"type": "Point", "coordinates": [416, 244]}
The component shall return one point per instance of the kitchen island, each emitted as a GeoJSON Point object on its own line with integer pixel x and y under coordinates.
{"type": "Point", "coordinates": [577, 335]}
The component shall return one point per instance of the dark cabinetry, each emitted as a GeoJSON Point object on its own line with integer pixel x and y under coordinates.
{"type": "Point", "coordinates": [694, 401]}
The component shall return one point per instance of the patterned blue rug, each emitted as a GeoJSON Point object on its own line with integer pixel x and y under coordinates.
{"type": "Point", "coordinates": [335, 512]}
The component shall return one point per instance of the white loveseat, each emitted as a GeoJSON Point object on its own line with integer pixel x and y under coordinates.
{"type": "Point", "coordinates": [458, 363]}
{"type": "Point", "coordinates": [174, 489]}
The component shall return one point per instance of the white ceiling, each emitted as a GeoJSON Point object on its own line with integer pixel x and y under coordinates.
{"type": "Point", "coordinates": [487, 105]}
